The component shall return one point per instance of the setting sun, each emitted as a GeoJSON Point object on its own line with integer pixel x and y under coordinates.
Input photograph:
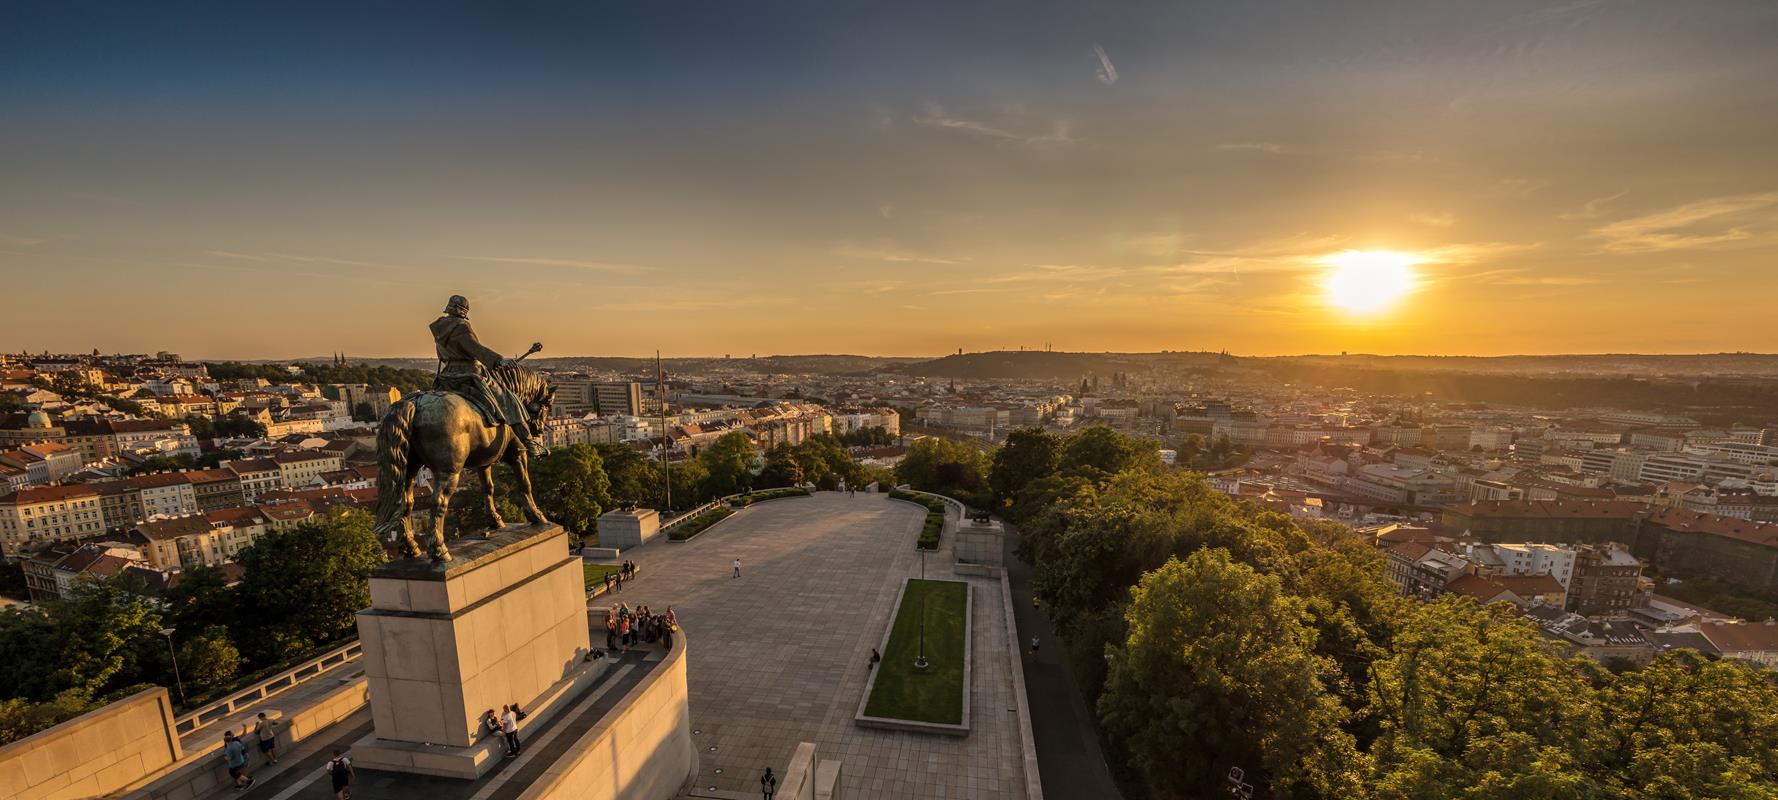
{"type": "Point", "coordinates": [1368, 281]}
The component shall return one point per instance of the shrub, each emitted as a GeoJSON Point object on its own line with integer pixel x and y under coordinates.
{"type": "Point", "coordinates": [697, 525]}
{"type": "Point", "coordinates": [935, 517]}
{"type": "Point", "coordinates": [746, 500]}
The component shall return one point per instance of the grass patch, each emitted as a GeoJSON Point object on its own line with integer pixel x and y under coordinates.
{"type": "Point", "coordinates": [770, 494]}
{"type": "Point", "coordinates": [935, 694]}
{"type": "Point", "coordinates": [697, 524]}
{"type": "Point", "coordinates": [935, 517]}
{"type": "Point", "coordinates": [595, 573]}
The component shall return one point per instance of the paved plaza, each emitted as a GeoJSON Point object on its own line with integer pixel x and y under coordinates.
{"type": "Point", "coordinates": [779, 656]}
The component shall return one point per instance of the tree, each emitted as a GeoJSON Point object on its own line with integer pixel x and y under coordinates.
{"type": "Point", "coordinates": [826, 463]}
{"type": "Point", "coordinates": [690, 483]}
{"type": "Point", "coordinates": [163, 464]}
{"type": "Point", "coordinates": [781, 468]}
{"type": "Point", "coordinates": [1027, 455]}
{"type": "Point", "coordinates": [572, 489]}
{"type": "Point", "coordinates": [209, 660]}
{"type": "Point", "coordinates": [1472, 696]}
{"type": "Point", "coordinates": [1686, 726]}
{"type": "Point", "coordinates": [363, 412]}
{"type": "Point", "coordinates": [201, 599]}
{"type": "Point", "coordinates": [1219, 665]}
{"type": "Point", "coordinates": [937, 464]}
{"type": "Point", "coordinates": [11, 403]}
{"type": "Point", "coordinates": [1190, 447]}
{"type": "Point", "coordinates": [1099, 450]}
{"type": "Point", "coordinates": [306, 585]}
{"type": "Point", "coordinates": [729, 464]}
{"type": "Point", "coordinates": [238, 425]}
{"type": "Point", "coordinates": [201, 427]}
{"type": "Point", "coordinates": [632, 478]}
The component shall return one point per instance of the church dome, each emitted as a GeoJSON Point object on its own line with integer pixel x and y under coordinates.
{"type": "Point", "coordinates": [37, 419]}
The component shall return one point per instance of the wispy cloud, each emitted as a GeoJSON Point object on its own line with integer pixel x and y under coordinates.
{"type": "Point", "coordinates": [891, 254]}
{"type": "Point", "coordinates": [1700, 224]}
{"type": "Point", "coordinates": [1273, 148]}
{"type": "Point", "coordinates": [294, 258]}
{"type": "Point", "coordinates": [19, 241]}
{"type": "Point", "coordinates": [1592, 209]}
{"type": "Point", "coordinates": [1442, 219]}
{"type": "Point", "coordinates": [1107, 71]}
{"type": "Point", "coordinates": [565, 263]}
{"type": "Point", "coordinates": [944, 292]}
{"type": "Point", "coordinates": [935, 116]}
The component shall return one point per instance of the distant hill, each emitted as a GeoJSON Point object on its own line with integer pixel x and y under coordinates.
{"type": "Point", "coordinates": [1723, 364]}
{"type": "Point", "coordinates": [1046, 365]}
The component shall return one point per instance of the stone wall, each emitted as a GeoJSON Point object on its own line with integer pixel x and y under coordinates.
{"type": "Point", "coordinates": [641, 750]}
{"type": "Point", "coordinates": [201, 772]}
{"type": "Point", "coordinates": [96, 753]}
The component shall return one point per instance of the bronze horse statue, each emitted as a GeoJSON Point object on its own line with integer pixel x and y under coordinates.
{"type": "Point", "coordinates": [441, 431]}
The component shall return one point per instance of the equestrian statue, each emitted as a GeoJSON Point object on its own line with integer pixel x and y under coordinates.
{"type": "Point", "coordinates": [483, 409]}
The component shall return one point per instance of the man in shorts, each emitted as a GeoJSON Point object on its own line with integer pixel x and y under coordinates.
{"type": "Point", "coordinates": [266, 731]}
{"type": "Point", "coordinates": [234, 753]}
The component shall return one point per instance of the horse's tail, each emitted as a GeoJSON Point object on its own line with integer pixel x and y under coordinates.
{"type": "Point", "coordinates": [392, 455]}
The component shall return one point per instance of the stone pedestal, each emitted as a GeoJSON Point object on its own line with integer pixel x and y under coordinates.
{"type": "Point", "coordinates": [627, 528]}
{"type": "Point", "coordinates": [979, 542]}
{"type": "Point", "coordinates": [503, 622]}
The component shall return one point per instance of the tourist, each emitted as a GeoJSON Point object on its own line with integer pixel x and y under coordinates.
{"type": "Point", "coordinates": [737, 568]}
{"type": "Point", "coordinates": [491, 721]}
{"type": "Point", "coordinates": [339, 768]}
{"type": "Point", "coordinates": [608, 577]}
{"type": "Point", "coordinates": [610, 630]}
{"type": "Point", "coordinates": [623, 633]}
{"type": "Point", "coordinates": [620, 583]}
{"type": "Point", "coordinates": [768, 784]}
{"type": "Point", "coordinates": [234, 753]}
{"type": "Point", "coordinates": [874, 658]}
{"type": "Point", "coordinates": [1034, 645]}
{"type": "Point", "coordinates": [509, 725]}
{"type": "Point", "coordinates": [672, 619]}
{"type": "Point", "coordinates": [266, 731]}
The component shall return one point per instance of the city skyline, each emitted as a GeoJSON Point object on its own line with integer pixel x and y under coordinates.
{"type": "Point", "coordinates": [241, 183]}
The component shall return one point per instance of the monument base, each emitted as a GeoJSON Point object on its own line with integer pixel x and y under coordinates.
{"type": "Point", "coordinates": [474, 760]}
{"type": "Point", "coordinates": [503, 622]}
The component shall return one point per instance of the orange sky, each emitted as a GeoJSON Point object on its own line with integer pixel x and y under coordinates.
{"type": "Point", "coordinates": [1571, 177]}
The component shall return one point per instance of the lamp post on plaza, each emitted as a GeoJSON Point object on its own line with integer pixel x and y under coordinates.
{"type": "Point", "coordinates": [180, 682]}
{"type": "Point", "coordinates": [920, 660]}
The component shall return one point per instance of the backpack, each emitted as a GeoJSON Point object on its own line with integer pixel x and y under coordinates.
{"type": "Point", "coordinates": [337, 768]}
{"type": "Point", "coordinates": [519, 713]}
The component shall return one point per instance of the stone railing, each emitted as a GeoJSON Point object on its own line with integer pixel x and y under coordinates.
{"type": "Point", "coordinates": [301, 673]}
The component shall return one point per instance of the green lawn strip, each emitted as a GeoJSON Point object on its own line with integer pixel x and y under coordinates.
{"type": "Point", "coordinates": [935, 517]}
{"type": "Point", "coordinates": [935, 694]}
{"type": "Point", "coordinates": [680, 533]}
{"type": "Point", "coordinates": [595, 573]}
{"type": "Point", "coordinates": [745, 500]}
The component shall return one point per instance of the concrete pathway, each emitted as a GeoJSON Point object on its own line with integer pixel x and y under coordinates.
{"type": "Point", "coordinates": [780, 654]}
{"type": "Point", "coordinates": [1068, 754]}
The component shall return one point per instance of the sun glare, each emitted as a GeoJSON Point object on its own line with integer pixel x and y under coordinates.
{"type": "Point", "coordinates": [1368, 281]}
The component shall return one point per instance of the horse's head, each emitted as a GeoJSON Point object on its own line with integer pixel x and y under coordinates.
{"type": "Point", "coordinates": [531, 389]}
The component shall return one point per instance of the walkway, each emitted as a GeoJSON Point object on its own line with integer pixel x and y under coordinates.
{"type": "Point", "coordinates": [300, 775]}
{"type": "Point", "coordinates": [1068, 754]}
{"type": "Point", "coordinates": [781, 652]}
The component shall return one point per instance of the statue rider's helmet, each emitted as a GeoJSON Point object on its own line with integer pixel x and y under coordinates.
{"type": "Point", "coordinates": [457, 306]}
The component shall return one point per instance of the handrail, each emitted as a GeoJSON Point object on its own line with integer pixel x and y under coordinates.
{"type": "Point", "coordinates": [277, 684]}
{"type": "Point", "coordinates": [959, 506]}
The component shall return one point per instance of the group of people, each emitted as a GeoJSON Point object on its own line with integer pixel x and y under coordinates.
{"type": "Point", "coordinates": [506, 725]}
{"type": "Point", "coordinates": [625, 627]}
{"type": "Point", "coordinates": [265, 733]}
{"type": "Point", "coordinates": [614, 581]}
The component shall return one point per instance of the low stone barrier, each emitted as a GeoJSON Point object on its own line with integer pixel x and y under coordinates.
{"type": "Point", "coordinates": [640, 750]}
{"type": "Point", "coordinates": [94, 754]}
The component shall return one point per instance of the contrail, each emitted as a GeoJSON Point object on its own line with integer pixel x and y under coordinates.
{"type": "Point", "coordinates": [1107, 71]}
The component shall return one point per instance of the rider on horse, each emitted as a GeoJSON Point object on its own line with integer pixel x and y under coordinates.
{"type": "Point", "coordinates": [464, 362]}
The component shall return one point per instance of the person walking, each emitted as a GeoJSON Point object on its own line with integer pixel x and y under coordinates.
{"type": "Point", "coordinates": [620, 583]}
{"type": "Point", "coordinates": [737, 568]}
{"type": "Point", "coordinates": [266, 731]}
{"type": "Point", "coordinates": [339, 768]}
{"type": "Point", "coordinates": [874, 658]}
{"type": "Point", "coordinates": [234, 753]}
{"type": "Point", "coordinates": [768, 784]}
{"type": "Point", "coordinates": [509, 725]}
{"type": "Point", "coordinates": [1034, 645]}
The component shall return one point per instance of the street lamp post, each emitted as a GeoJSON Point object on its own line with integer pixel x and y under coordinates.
{"type": "Point", "coordinates": [180, 682]}
{"type": "Point", "coordinates": [920, 660]}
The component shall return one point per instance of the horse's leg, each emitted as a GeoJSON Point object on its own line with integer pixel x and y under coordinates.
{"type": "Point", "coordinates": [487, 474]}
{"type": "Point", "coordinates": [516, 458]}
{"type": "Point", "coordinates": [410, 547]}
{"type": "Point", "coordinates": [447, 486]}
